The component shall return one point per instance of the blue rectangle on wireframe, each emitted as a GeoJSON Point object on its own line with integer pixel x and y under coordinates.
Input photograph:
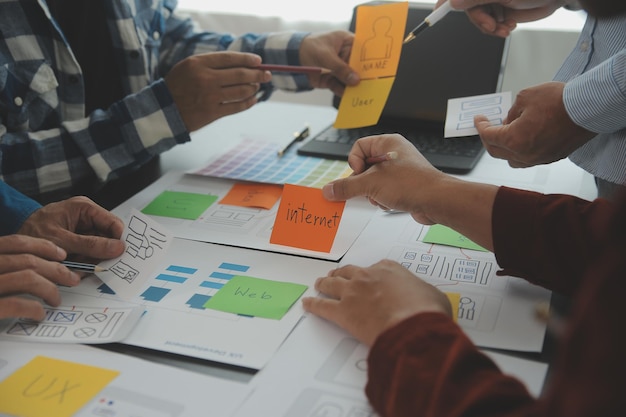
{"type": "Point", "coordinates": [181, 269]}
{"type": "Point", "coordinates": [211, 284]}
{"type": "Point", "coordinates": [171, 278]}
{"type": "Point", "coordinates": [234, 267]}
{"type": "Point", "coordinates": [198, 301]}
{"type": "Point", "coordinates": [155, 294]}
{"type": "Point", "coordinates": [105, 289]}
{"type": "Point", "coordinates": [221, 275]}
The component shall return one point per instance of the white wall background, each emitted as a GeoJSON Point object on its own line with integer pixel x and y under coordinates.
{"type": "Point", "coordinates": [339, 11]}
{"type": "Point", "coordinates": [536, 49]}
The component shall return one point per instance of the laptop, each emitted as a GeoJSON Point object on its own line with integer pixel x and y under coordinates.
{"type": "Point", "coordinates": [448, 60]}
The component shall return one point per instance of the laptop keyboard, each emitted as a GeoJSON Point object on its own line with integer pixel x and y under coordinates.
{"type": "Point", "coordinates": [425, 142]}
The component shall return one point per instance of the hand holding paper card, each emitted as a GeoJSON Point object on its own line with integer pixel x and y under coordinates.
{"type": "Point", "coordinates": [461, 112]}
{"type": "Point", "coordinates": [146, 243]}
{"type": "Point", "coordinates": [306, 220]}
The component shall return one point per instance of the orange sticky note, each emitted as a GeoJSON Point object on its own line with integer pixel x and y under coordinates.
{"type": "Point", "coordinates": [306, 220]}
{"type": "Point", "coordinates": [51, 387]}
{"type": "Point", "coordinates": [378, 39]}
{"type": "Point", "coordinates": [253, 194]}
{"type": "Point", "coordinates": [375, 56]}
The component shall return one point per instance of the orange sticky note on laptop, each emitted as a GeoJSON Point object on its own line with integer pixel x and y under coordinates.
{"type": "Point", "coordinates": [306, 220]}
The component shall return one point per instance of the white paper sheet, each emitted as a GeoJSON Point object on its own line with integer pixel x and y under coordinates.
{"type": "Point", "coordinates": [141, 389]}
{"type": "Point", "coordinates": [75, 324]}
{"type": "Point", "coordinates": [496, 312]}
{"type": "Point", "coordinates": [185, 277]}
{"type": "Point", "coordinates": [241, 226]}
{"type": "Point", "coordinates": [461, 112]}
{"type": "Point", "coordinates": [322, 371]}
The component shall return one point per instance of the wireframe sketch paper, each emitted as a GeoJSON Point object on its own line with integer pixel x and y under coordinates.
{"type": "Point", "coordinates": [238, 225]}
{"type": "Point", "coordinates": [461, 112]}
{"type": "Point", "coordinates": [495, 311]}
{"type": "Point", "coordinates": [76, 324]}
{"type": "Point", "coordinates": [146, 244]}
{"type": "Point", "coordinates": [189, 275]}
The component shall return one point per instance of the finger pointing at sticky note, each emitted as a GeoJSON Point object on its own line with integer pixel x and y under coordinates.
{"type": "Point", "coordinates": [306, 220]}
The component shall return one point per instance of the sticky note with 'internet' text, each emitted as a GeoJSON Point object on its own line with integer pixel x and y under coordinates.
{"type": "Point", "coordinates": [306, 220]}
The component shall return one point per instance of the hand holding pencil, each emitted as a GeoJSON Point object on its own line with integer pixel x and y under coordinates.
{"type": "Point", "coordinates": [330, 50]}
{"type": "Point", "coordinates": [30, 274]}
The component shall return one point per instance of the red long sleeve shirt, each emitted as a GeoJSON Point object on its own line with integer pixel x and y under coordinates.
{"type": "Point", "coordinates": [426, 366]}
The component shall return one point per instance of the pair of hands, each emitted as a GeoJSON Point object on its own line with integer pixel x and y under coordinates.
{"type": "Point", "coordinates": [537, 129]}
{"type": "Point", "coordinates": [367, 301]}
{"type": "Point", "coordinates": [210, 86]}
{"type": "Point", "coordinates": [29, 261]}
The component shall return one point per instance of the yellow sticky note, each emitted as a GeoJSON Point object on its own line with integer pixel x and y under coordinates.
{"type": "Point", "coordinates": [306, 220]}
{"type": "Point", "coordinates": [378, 40]}
{"type": "Point", "coordinates": [253, 195]}
{"type": "Point", "coordinates": [363, 104]}
{"type": "Point", "coordinates": [50, 387]}
{"type": "Point", "coordinates": [455, 299]}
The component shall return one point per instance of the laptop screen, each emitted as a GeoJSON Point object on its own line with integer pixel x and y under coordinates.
{"type": "Point", "coordinates": [448, 60]}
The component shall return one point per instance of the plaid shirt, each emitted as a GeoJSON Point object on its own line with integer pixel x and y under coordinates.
{"type": "Point", "coordinates": [15, 208]}
{"type": "Point", "coordinates": [48, 145]}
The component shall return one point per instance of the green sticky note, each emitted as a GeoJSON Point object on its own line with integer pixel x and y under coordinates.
{"type": "Point", "coordinates": [256, 297]}
{"type": "Point", "coordinates": [443, 235]}
{"type": "Point", "coordinates": [179, 205]}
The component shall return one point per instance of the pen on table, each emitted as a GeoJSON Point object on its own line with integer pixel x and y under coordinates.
{"type": "Point", "coordinates": [294, 68]}
{"type": "Point", "coordinates": [297, 137]}
{"type": "Point", "coordinates": [435, 16]}
{"type": "Point", "coordinates": [381, 158]}
{"type": "Point", "coordinates": [79, 266]}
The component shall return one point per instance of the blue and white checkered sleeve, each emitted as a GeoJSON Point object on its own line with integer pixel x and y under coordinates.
{"type": "Point", "coordinates": [109, 143]}
{"type": "Point", "coordinates": [15, 208]}
{"type": "Point", "coordinates": [183, 39]}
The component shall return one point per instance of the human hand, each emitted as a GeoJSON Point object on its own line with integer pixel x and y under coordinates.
{"type": "Point", "coordinates": [368, 301]}
{"type": "Point", "coordinates": [410, 183]}
{"type": "Point", "coordinates": [329, 50]}
{"type": "Point", "coordinates": [386, 183]}
{"type": "Point", "coordinates": [79, 226]}
{"type": "Point", "coordinates": [500, 17]}
{"type": "Point", "coordinates": [537, 129]}
{"type": "Point", "coordinates": [30, 266]}
{"type": "Point", "coordinates": [208, 86]}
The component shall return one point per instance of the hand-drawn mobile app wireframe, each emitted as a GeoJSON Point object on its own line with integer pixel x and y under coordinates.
{"type": "Point", "coordinates": [146, 242]}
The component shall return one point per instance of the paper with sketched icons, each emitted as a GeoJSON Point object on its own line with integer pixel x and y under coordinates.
{"type": "Point", "coordinates": [461, 112]}
{"type": "Point", "coordinates": [75, 324]}
{"type": "Point", "coordinates": [146, 243]}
